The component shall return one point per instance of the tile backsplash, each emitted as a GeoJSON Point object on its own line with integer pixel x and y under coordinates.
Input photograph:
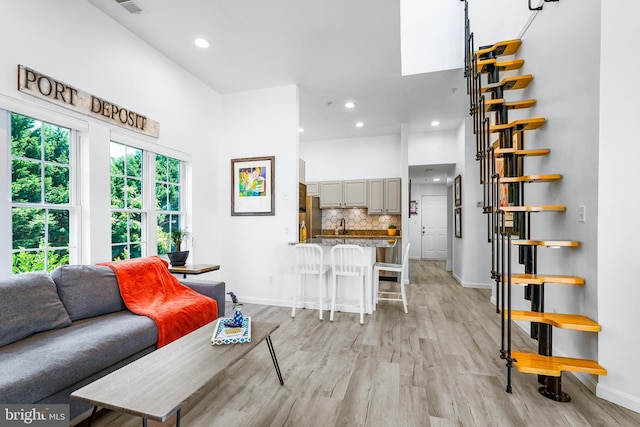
{"type": "Point", "coordinates": [357, 219]}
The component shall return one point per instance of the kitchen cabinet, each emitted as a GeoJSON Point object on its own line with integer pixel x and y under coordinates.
{"type": "Point", "coordinates": [392, 196]}
{"type": "Point", "coordinates": [312, 189]}
{"type": "Point", "coordinates": [343, 194]}
{"type": "Point", "coordinates": [384, 196]}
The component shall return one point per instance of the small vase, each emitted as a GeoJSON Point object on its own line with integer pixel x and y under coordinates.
{"type": "Point", "coordinates": [237, 317]}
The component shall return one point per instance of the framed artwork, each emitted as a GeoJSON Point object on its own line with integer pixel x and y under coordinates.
{"type": "Point", "coordinates": [253, 186]}
{"type": "Point", "coordinates": [458, 222]}
{"type": "Point", "coordinates": [457, 190]}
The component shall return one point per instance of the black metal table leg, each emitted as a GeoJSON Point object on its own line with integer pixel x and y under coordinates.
{"type": "Point", "coordinates": [93, 415]}
{"type": "Point", "coordinates": [275, 360]}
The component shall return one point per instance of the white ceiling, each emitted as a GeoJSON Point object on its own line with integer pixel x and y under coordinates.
{"type": "Point", "coordinates": [334, 50]}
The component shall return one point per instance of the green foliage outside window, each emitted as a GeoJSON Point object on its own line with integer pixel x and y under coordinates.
{"type": "Point", "coordinates": [40, 173]}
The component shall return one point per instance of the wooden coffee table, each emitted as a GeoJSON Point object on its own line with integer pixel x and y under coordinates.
{"type": "Point", "coordinates": [154, 386]}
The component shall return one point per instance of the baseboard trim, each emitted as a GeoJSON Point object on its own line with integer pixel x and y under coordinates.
{"type": "Point", "coordinates": [618, 397]}
{"type": "Point", "coordinates": [472, 284]}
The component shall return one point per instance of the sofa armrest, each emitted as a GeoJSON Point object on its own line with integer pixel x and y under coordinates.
{"type": "Point", "coordinates": [212, 289]}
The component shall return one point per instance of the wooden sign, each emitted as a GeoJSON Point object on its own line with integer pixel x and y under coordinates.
{"type": "Point", "coordinates": [52, 90]}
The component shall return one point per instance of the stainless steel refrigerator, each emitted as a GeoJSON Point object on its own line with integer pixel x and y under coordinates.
{"type": "Point", "coordinates": [312, 217]}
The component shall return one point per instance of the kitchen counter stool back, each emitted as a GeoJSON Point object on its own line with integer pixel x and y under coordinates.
{"type": "Point", "coordinates": [348, 261]}
{"type": "Point", "coordinates": [400, 295]}
{"type": "Point", "coordinates": [309, 262]}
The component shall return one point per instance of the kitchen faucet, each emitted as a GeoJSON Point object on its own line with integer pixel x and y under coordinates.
{"type": "Point", "coordinates": [343, 223]}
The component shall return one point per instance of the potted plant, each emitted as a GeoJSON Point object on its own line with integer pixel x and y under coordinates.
{"type": "Point", "coordinates": [178, 257]}
{"type": "Point", "coordinates": [392, 230]}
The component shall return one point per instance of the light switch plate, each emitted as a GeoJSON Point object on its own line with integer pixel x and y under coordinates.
{"type": "Point", "coordinates": [582, 216]}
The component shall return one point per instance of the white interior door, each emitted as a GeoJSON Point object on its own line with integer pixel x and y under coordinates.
{"type": "Point", "coordinates": [434, 227]}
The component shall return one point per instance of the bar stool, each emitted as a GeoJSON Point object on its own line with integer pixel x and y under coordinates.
{"type": "Point", "coordinates": [309, 261]}
{"type": "Point", "coordinates": [348, 261]}
{"type": "Point", "coordinates": [397, 268]}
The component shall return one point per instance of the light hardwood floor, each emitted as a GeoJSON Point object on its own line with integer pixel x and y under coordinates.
{"type": "Point", "coordinates": [437, 366]}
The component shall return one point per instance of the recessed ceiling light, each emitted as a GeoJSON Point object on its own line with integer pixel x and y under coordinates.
{"type": "Point", "coordinates": [203, 43]}
{"type": "Point", "coordinates": [359, 124]}
{"type": "Point", "coordinates": [436, 179]}
{"type": "Point", "coordinates": [350, 104]}
{"type": "Point", "coordinates": [300, 130]}
{"type": "Point", "coordinates": [435, 123]}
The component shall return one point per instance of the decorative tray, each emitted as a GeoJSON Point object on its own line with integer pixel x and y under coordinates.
{"type": "Point", "coordinates": [225, 335]}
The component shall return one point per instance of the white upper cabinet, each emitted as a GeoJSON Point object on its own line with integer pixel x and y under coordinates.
{"type": "Point", "coordinates": [331, 194]}
{"type": "Point", "coordinates": [312, 189]}
{"type": "Point", "coordinates": [343, 194]}
{"type": "Point", "coordinates": [384, 196]}
{"type": "Point", "coordinates": [355, 194]}
{"type": "Point", "coordinates": [376, 196]}
{"type": "Point", "coordinates": [392, 199]}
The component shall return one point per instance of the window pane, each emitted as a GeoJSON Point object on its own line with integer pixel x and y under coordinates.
{"type": "Point", "coordinates": [56, 184]}
{"type": "Point", "coordinates": [174, 197]}
{"type": "Point", "coordinates": [161, 168]}
{"type": "Point", "coordinates": [28, 261]}
{"type": "Point", "coordinates": [119, 252]}
{"type": "Point", "coordinates": [28, 227]}
{"type": "Point", "coordinates": [135, 227]}
{"type": "Point", "coordinates": [166, 224]}
{"type": "Point", "coordinates": [58, 228]}
{"type": "Point", "coordinates": [26, 181]}
{"type": "Point", "coordinates": [117, 192]}
{"type": "Point", "coordinates": [56, 144]}
{"type": "Point", "coordinates": [136, 251]}
{"type": "Point", "coordinates": [119, 227]}
{"type": "Point", "coordinates": [174, 170]}
{"type": "Point", "coordinates": [134, 162]}
{"type": "Point", "coordinates": [162, 202]}
{"type": "Point", "coordinates": [25, 137]}
{"type": "Point", "coordinates": [117, 158]}
{"type": "Point", "coordinates": [134, 193]}
{"type": "Point", "coordinates": [57, 258]}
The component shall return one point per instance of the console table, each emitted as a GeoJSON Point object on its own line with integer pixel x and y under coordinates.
{"type": "Point", "coordinates": [154, 386]}
{"type": "Point", "coordinates": [193, 269]}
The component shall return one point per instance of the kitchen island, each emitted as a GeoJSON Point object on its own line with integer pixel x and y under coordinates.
{"type": "Point", "coordinates": [372, 246]}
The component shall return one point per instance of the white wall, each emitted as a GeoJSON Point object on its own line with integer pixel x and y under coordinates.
{"type": "Point", "coordinates": [435, 27]}
{"type": "Point", "coordinates": [589, 122]}
{"type": "Point", "coordinates": [433, 148]}
{"type": "Point", "coordinates": [255, 256]}
{"type": "Point", "coordinates": [618, 232]}
{"type": "Point", "coordinates": [471, 253]}
{"type": "Point", "coordinates": [352, 158]}
{"type": "Point", "coordinates": [72, 41]}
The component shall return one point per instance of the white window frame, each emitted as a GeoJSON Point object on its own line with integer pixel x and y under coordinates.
{"type": "Point", "coordinates": [78, 129]}
{"type": "Point", "coordinates": [150, 215]}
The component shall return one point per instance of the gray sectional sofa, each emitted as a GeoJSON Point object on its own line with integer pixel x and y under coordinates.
{"type": "Point", "coordinates": [61, 331]}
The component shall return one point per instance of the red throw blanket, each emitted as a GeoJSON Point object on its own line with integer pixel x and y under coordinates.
{"type": "Point", "coordinates": [148, 288]}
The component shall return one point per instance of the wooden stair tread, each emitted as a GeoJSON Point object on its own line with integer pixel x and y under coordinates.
{"type": "Point", "coordinates": [547, 243]}
{"type": "Point", "coordinates": [532, 363]}
{"type": "Point", "coordinates": [519, 125]}
{"type": "Point", "coordinates": [531, 178]}
{"type": "Point", "coordinates": [539, 279]}
{"type": "Point", "coordinates": [576, 322]}
{"type": "Point", "coordinates": [510, 83]}
{"type": "Point", "coordinates": [506, 47]}
{"type": "Point", "coordinates": [534, 152]}
{"type": "Point", "coordinates": [543, 208]}
{"type": "Point", "coordinates": [484, 65]}
{"type": "Point", "coordinates": [497, 103]}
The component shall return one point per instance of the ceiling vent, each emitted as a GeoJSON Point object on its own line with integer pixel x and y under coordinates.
{"type": "Point", "coordinates": [130, 6]}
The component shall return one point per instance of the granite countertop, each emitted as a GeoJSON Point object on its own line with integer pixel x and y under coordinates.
{"type": "Point", "coordinates": [364, 241]}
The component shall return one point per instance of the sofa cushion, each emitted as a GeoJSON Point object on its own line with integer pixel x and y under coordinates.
{"type": "Point", "coordinates": [29, 303]}
{"type": "Point", "coordinates": [87, 290]}
{"type": "Point", "coordinates": [45, 363]}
